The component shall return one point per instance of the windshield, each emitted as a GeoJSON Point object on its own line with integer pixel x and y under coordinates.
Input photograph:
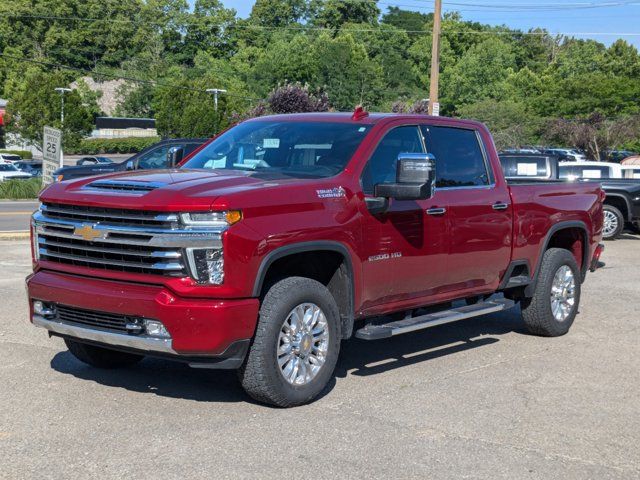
{"type": "Point", "coordinates": [287, 149]}
{"type": "Point", "coordinates": [7, 167]}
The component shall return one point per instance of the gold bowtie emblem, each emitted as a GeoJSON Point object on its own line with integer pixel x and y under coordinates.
{"type": "Point", "coordinates": [87, 232]}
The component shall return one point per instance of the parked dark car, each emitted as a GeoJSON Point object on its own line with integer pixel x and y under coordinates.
{"type": "Point", "coordinates": [621, 205]}
{"type": "Point", "coordinates": [152, 157]}
{"type": "Point", "coordinates": [93, 160]}
{"type": "Point", "coordinates": [32, 167]}
{"type": "Point", "coordinates": [616, 156]}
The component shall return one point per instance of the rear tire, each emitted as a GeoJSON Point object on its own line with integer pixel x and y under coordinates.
{"type": "Point", "coordinates": [554, 305]}
{"type": "Point", "coordinates": [613, 222]}
{"type": "Point", "coordinates": [280, 368]}
{"type": "Point", "coordinates": [101, 357]}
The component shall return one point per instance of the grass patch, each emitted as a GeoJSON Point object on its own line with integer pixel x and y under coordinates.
{"type": "Point", "coordinates": [20, 189]}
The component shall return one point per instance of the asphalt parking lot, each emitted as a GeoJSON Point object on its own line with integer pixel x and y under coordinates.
{"type": "Point", "coordinates": [478, 399]}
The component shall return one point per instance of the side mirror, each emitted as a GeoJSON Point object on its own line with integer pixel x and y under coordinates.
{"type": "Point", "coordinates": [415, 178]}
{"type": "Point", "coordinates": [174, 156]}
{"type": "Point", "coordinates": [130, 165]}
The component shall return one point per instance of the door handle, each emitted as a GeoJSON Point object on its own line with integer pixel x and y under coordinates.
{"type": "Point", "coordinates": [500, 206]}
{"type": "Point", "coordinates": [436, 211]}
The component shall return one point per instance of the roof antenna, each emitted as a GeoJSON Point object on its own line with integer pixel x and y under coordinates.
{"type": "Point", "coordinates": [359, 113]}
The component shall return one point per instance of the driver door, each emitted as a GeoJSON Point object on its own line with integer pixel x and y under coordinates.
{"type": "Point", "coordinates": [405, 248]}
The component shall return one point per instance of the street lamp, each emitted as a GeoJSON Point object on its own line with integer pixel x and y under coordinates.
{"type": "Point", "coordinates": [62, 91]}
{"type": "Point", "coordinates": [215, 92]}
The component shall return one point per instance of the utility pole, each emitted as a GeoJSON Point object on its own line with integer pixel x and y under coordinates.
{"type": "Point", "coordinates": [62, 91]}
{"type": "Point", "coordinates": [215, 92]}
{"type": "Point", "coordinates": [434, 102]}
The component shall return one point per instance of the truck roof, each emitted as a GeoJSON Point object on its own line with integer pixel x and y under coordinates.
{"type": "Point", "coordinates": [368, 119]}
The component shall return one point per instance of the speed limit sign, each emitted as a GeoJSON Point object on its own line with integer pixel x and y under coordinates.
{"type": "Point", "coordinates": [51, 153]}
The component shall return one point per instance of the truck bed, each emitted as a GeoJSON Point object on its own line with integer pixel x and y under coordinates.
{"type": "Point", "coordinates": [541, 204]}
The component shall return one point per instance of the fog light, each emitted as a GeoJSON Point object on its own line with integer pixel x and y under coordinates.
{"type": "Point", "coordinates": [43, 309]}
{"type": "Point", "coordinates": [156, 329]}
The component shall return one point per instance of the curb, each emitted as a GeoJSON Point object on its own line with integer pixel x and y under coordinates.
{"type": "Point", "coordinates": [25, 235]}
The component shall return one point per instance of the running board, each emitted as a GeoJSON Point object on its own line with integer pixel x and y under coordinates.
{"type": "Point", "coordinates": [386, 330]}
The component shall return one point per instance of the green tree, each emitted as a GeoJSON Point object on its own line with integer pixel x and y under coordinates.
{"type": "Point", "coordinates": [278, 13]}
{"type": "Point", "coordinates": [34, 103]}
{"type": "Point", "coordinates": [407, 19]}
{"type": "Point", "coordinates": [479, 74]}
{"type": "Point", "coordinates": [335, 13]}
{"type": "Point", "coordinates": [347, 73]}
{"type": "Point", "coordinates": [510, 122]}
{"type": "Point", "coordinates": [184, 109]}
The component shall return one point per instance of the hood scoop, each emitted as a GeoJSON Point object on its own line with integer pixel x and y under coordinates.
{"type": "Point", "coordinates": [125, 186]}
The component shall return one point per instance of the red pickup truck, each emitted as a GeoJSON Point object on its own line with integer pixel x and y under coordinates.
{"type": "Point", "coordinates": [287, 234]}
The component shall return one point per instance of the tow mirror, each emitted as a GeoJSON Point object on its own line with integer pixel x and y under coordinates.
{"type": "Point", "coordinates": [174, 156]}
{"type": "Point", "coordinates": [415, 178]}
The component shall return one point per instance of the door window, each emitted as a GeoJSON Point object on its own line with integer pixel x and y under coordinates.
{"type": "Point", "coordinates": [381, 167]}
{"type": "Point", "coordinates": [460, 160]}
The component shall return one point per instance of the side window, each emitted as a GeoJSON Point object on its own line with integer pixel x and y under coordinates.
{"type": "Point", "coordinates": [381, 167]}
{"type": "Point", "coordinates": [460, 161]}
{"type": "Point", "coordinates": [156, 158]}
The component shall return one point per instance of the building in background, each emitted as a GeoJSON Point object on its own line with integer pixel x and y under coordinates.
{"type": "Point", "coordinates": [117, 127]}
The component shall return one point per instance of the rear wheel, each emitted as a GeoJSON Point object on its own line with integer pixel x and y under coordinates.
{"type": "Point", "coordinates": [101, 357]}
{"type": "Point", "coordinates": [613, 223]}
{"type": "Point", "coordinates": [554, 305]}
{"type": "Point", "coordinates": [296, 345]}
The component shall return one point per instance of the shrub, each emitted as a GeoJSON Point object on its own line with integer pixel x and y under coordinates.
{"type": "Point", "coordinates": [24, 154]}
{"type": "Point", "coordinates": [20, 189]}
{"type": "Point", "coordinates": [96, 146]}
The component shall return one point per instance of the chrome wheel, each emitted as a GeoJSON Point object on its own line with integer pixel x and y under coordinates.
{"type": "Point", "coordinates": [611, 223]}
{"type": "Point", "coordinates": [563, 293]}
{"type": "Point", "coordinates": [303, 343]}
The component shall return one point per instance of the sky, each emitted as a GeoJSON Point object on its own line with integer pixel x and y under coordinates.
{"type": "Point", "coordinates": [604, 20]}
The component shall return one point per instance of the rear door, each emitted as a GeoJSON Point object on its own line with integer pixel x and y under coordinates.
{"type": "Point", "coordinates": [478, 208]}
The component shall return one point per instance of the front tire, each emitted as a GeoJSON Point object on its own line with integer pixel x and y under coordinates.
{"type": "Point", "coordinates": [296, 345]}
{"type": "Point", "coordinates": [101, 357]}
{"type": "Point", "coordinates": [613, 223]}
{"type": "Point", "coordinates": [554, 305]}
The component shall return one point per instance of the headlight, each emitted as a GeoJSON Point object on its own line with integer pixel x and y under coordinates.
{"type": "Point", "coordinates": [211, 219]}
{"type": "Point", "coordinates": [206, 265]}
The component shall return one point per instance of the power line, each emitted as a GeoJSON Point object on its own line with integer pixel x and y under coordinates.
{"type": "Point", "coordinates": [370, 30]}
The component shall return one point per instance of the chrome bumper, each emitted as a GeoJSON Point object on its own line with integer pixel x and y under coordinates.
{"type": "Point", "coordinates": [138, 342]}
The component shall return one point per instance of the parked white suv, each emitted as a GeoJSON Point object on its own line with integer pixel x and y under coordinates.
{"type": "Point", "coordinates": [590, 170]}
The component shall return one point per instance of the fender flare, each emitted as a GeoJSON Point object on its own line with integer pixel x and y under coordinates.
{"type": "Point", "coordinates": [302, 247]}
{"type": "Point", "coordinates": [552, 231]}
{"type": "Point", "coordinates": [629, 215]}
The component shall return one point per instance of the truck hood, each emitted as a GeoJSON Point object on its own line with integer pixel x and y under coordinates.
{"type": "Point", "coordinates": [162, 190]}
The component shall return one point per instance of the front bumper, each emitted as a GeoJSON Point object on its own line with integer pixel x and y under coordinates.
{"type": "Point", "coordinates": [203, 331]}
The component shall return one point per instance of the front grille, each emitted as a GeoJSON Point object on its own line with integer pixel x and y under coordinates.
{"type": "Point", "coordinates": [112, 216]}
{"type": "Point", "coordinates": [116, 239]}
{"type": "Point", "coordinates": [91, 318]}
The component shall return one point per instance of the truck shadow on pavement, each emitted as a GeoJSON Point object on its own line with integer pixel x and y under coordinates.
{"type": "Point", "coordinates": [176, 380]}
{"type": "Point", "coordinates": [364, 358]}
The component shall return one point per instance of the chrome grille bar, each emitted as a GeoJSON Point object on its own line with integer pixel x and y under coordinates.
{"type": "Point", "coordinates": [161, 266]}
{"type": "Point", "coordinates": [116, 251]}
{"type": "Point", "coordinates": [88, 215]}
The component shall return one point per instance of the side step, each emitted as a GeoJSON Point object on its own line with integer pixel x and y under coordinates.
{"type": "Point", "coordinates": [386, 330]}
